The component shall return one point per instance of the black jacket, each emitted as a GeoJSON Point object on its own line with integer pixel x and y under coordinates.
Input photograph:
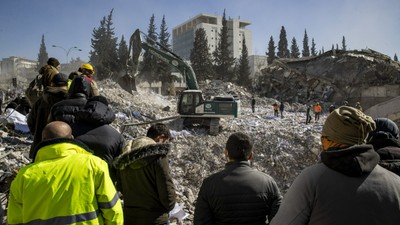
{"type": "Point", "coordinates": [389, 153]}
{"type": "Point", "coordinates": [77, 97]}
{"type": "Point", "coordinates": [92, 128]}
{"type": "Point", "coordinates": [237, 195]}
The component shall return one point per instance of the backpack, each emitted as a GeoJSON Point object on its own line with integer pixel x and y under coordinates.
{"type": "Point", "coordinates": [34, 90]}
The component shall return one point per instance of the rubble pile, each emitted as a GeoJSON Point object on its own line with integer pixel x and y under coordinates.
{"type": "Point", "coordinates": [283, 146]}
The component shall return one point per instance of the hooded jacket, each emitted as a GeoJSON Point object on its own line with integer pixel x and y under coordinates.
{"type": "Point", "coordinates": [389, 153]}
{"type": "Point", "coordinates": [238, 194]}
{"type": "Point", "coordinates": [65, 110]}
{"type": "Point", "coordinates": [146, 182]}
{"type": "Point", "coordinates": [92, 128]}
{"type": "Point", "coordinates": [347, 187]}
{"type": "Point", "coordinates": [38, 117]}
{"type": "Point", "coordinates": [65, 185]}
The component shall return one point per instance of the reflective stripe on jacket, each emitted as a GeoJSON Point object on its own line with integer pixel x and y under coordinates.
{"type": "Point", "coordinates": [65, 185]}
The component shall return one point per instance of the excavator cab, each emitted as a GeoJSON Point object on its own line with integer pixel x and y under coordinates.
{"type": "Point", "coordinates": [188, 101]}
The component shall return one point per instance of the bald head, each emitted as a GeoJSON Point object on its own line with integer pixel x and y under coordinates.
{"type": "Point", "coordinates": [56, 129]}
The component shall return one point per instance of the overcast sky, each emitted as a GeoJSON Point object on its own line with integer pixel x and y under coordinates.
{"type": "Point", "coordinates": [364, 23]}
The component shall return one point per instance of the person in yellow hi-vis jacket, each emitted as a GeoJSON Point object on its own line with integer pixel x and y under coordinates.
{"type": "Point", "coordinates": [66, 184]}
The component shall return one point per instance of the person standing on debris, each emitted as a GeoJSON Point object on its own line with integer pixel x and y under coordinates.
{"type": "Point", "coordinates": [65, 185]}
{"type": "Point", "coordinates": [238, 194]}
{"type": "Point", "coordinates": [385, 141]}
{"type": "Point", "coordinates": [358, 106]}
{"type": "Point", "coordinates": [88, 72]}
{"type": "Point", "coordinates": [65, 110]}
{"type": "Point", "coordinates": [317, 111]}
{"type": "Point", "coordinates": [147, 186]}
{"type": "Point", "coordinates": [37, 118]}
{"type": "Point", "coordinates": [276, 109]}
{"type": "Point", "coordinates": [308, 114]}
{"type": "Point", "coordinates": [92, 127]}
{"type": "Point", "coordinates": [347, 186]}
{"type": "Point", "coordinates": [281, 108]}
{"type": "Point", "coordinates": [253, 104]}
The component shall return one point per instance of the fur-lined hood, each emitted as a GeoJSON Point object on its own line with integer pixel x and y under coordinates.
{"type": "Point", "coordinates": [139, 153]}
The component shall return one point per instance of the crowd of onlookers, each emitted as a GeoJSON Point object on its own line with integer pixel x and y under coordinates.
{"type": "Point", "coordinates": [84, 172]}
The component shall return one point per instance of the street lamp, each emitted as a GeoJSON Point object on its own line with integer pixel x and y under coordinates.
{"type": "Point", "coordinates": [67, 51]}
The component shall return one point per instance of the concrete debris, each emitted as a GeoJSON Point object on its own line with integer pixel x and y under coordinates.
{"type": "Point", "coordinates": [283, 146]}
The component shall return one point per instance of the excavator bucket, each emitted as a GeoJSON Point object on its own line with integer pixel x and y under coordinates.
{"type": "Point", "coordinates": [128, 83]}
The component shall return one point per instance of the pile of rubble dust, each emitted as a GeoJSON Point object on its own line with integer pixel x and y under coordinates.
{"type": "Point", "coordinates": [283, 147]}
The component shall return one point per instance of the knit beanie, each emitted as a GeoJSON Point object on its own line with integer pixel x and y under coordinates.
{"type": "Point", "coordinates": [348, 125]}
{"type": "Point", "coordinates": [385, 128]}
{"type": "Point", "coordinates": [53, 62]}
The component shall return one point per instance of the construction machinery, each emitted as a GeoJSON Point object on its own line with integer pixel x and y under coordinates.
{"type": "Point", "coordinates": [194, 109]}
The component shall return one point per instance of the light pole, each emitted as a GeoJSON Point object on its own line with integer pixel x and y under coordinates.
{"type": "Point", "coordinates": [67, 51]}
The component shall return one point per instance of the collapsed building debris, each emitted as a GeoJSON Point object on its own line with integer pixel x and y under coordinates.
{"type": "Point", "coordinates": [283, 147]}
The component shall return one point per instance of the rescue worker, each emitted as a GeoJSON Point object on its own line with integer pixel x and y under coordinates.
{"type": "Point", "coordinates": [276, 109]}
{"type": "Point", "coordinates": [253, 104]}
{"type": "Point", "coordinates": [65, 185]}
{"type": "Point", "coordinates": [331, 108]}
{"type": "Point", "coordinates": [317, 111]}
{"type": "Point", "coordinates": [281, 108]}
{"type": "Point", "coordinates": [88, 72]}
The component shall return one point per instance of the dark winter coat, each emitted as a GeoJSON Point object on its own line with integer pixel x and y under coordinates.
{"type": "Point", "coordinates": [147, 186]}
{"type": "Point", "coordinates": [348, 187]}
{"type": "Point", "coordinates": [38, 117]}
{"type": "Point", "coordinates": [92, 128]}
{"type": "Point", "coordinates": [389, 152]}
{"type": "Point", "coordinates": [237, 195]}
{"type": "Point", "coordinates": [77, 97]}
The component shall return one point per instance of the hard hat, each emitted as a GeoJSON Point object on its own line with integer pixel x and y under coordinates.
{"type": "Point", "coordinates": [87, 66]}
{"type": "Point", "coordinates": [358, 103]}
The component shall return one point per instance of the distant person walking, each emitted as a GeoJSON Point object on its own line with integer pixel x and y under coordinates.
{"type": "Point", "coordinates": [253, 104]}
{"type": "Point", "coordinates": [65, 185]}
{"type": "Point", "coordinates": [276, 109]}
{"type": "Point", "coordinates": [308, 114]}
{"type": "Point", "coordinates": [281, 108]}
{"type": "Point", "coordinates": [317, 111]}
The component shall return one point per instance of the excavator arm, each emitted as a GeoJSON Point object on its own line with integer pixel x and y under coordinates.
{"type": "Point", "coordinates": [164, 54]}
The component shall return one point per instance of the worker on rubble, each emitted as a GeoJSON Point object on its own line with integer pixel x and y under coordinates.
{"type": "Point", "coordinates": [281, 108]}
{"type": "Point", "coordinates": [38, 117]}
{"type": "Point", "coordinates": [317, 111]}
{"type": "Point", "coordinates": [308, 114]}
{"type": "Point", "coordinates": [253, 104]}
{"type": "Point", "coordinates": [147, 186]}
{"type": "Point", "coordinates": [238, 194]}
{"type": "Point", "coordinates": [87, 71]}
{"type": "Point", "coordinates": [65, 185]}
{"type": "Point", "coordinates": [347, 186]}
{"type": "Point", "coordinates": [92, 127]}
{"type": "Point", "coordinates": [276, 109]}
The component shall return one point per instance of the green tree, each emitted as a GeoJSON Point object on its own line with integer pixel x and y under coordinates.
{"type": "Point", "coordinates": [149, 69]}
{"type": "Point", "coordinates": [294, 49]}
{"type": "Point", "coordinates": [200, 56]}
{"type": "Point", "coordinates": [271, 50]}
{"type": "Point", "coordinates": [313, 48]}
{"type": "Point", "coordinates": [243, 67]}
{"type": "Point", "coordinates": [104, 56]}
{"type": "Point", "coordinates": [123, 56]}
{"type": "Point", "coordinates": [283, 51]}
{"type": "Point", "coordinates": [223, 61]}
{"type": "Point", "coordinates": [164, 69]}
{"type": "Point", "coordinates": [395, 58]}
{"type": "Point", "coordinates": [344, 47]}
{"type": "Point", "coordinates": [42, 56]}
{"type": "Point", "coordinates": [306, 48]}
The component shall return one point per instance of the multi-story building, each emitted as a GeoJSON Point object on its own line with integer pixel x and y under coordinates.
{"type": "Point", "coordinates": [183, 35]}
{"type": "Point", "coordinates": [17, 68]}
